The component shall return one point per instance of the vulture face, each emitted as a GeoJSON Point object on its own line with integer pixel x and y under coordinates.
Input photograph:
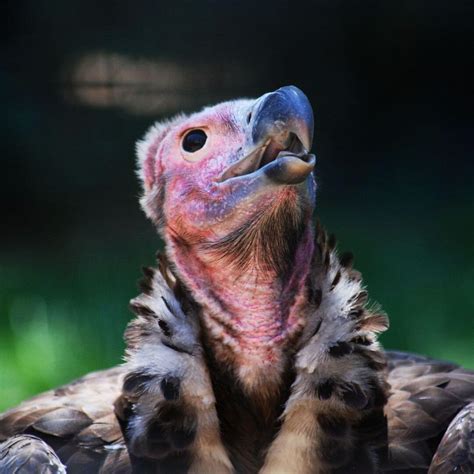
{"type": "Point", "coordinates": [212, 174]}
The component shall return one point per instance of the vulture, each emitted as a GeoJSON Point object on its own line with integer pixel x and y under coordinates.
{"type": "Point", "coordinates": [253, 348]}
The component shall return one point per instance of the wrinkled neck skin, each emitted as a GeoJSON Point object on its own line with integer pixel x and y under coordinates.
{"type": "Point", "coordinates": [254, 310]}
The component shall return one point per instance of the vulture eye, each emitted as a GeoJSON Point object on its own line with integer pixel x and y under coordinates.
{"type": "Point", "coordinates": [194, 140]}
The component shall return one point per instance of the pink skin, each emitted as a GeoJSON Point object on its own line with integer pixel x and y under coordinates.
{"type": "Point", "coordinates": [252, 311]}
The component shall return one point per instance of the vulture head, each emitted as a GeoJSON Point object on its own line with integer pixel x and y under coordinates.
{"type": "Point", "coordinates": [223, 172]}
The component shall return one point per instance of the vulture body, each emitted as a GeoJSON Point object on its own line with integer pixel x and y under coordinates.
{"type": "Point", "coordinates": [253, 348]}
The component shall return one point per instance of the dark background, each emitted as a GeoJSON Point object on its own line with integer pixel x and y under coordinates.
{"type": "Point", "coordinates": [392, 87]}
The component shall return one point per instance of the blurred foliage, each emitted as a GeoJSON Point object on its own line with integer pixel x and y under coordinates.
{"type": "Point", "coordinates": [64, 313]}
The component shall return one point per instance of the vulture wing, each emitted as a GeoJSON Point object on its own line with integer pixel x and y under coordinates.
{"type": "Point", "coordinates": [426, 395]}
{"type": "Point", "coordinates": [77, 421]}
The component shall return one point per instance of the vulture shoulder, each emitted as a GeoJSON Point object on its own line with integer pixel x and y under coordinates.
{"type": "Point", "coordinates": [167, 407]}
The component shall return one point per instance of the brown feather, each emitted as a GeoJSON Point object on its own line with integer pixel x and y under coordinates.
{"type": "Point", "coordinates": [62, 422]}
{"type": "Point", "coordinates": [421, 406]}
{"type": "Point", "coordinates": [455, 452]}
{"type": "Point", "coordinates": [28, 454]}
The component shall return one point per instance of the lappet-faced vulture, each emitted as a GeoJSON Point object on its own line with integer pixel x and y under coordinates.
{"type": "Point", "coordinates": [253, 348]}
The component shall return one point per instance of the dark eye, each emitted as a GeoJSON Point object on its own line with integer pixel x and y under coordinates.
{"type": "Point", "coordinates": [194, 140]}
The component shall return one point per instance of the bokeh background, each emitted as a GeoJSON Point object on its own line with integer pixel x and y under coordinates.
{"type": "Point", "coordinates": [80, 81]}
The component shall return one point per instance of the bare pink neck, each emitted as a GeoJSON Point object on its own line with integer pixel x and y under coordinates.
{"type": "Point", "coordinates": [250, 315]}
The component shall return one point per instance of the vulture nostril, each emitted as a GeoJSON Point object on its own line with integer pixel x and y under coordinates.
{"type": "Point", "coordinates": [249, 117]}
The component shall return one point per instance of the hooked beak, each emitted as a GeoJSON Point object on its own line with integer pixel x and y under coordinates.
{"type": "Point", "coordinates": [281, 134]}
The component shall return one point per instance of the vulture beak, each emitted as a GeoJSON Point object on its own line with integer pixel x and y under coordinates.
{"type": "Point", "coordinates": [280, 133]}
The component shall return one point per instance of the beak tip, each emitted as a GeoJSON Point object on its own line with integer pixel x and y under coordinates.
{"type": "Point", "coordinates": [307, 140]}
{"type": "Point", "coordinates": [290, 105]}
